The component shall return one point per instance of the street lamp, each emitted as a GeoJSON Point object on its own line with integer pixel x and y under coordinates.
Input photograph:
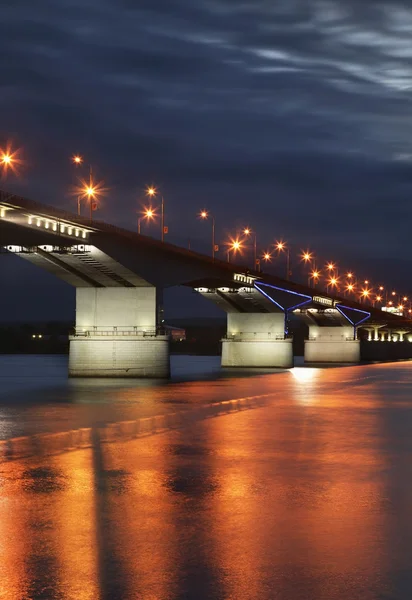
{"type": "Point", "coordinates": [307, 257]}
{"type": "Point", "coordinates": [9, 159]}
{"type": "Point", "coordinates": [204, 214]}
{"type": "Point", "coordinates": [247, 231]}
{"type": "Point", "coordinates": [90, 192]}
{"type": "Point", "coordinates": [267, 257]}
{"type": "Point", "coordinates": [6, 159]}
{"type": "Point", "coordinates": [333, 282]}
{"type": "Point", "coordinates": [152, 193]}
{"type": "Point", "coordinates": [350, 288]}
{"type": "Point", "coordinates": [283, 247]}
{"type": "Point", "coordinates": [315, 275]}
{"type": "Point", "coordinates": [365, 293]}
{"type": "Point", "coordinates": [148, 214]}
{"type": "Point", "coordinates": [331, 267]}
{"type": "Point", "coordinates": [234, 246]}
{"type": "Point", "coordinates": [77, 160]}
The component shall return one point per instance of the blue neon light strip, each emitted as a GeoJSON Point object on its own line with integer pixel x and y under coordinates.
{"type": "Point", "coordinates": [308, 298]}
{"type": "Point", "coordinates": [365, 312]}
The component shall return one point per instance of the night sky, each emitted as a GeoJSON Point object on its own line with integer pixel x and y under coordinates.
{"type": "Point", "coordinates": [292, 117]}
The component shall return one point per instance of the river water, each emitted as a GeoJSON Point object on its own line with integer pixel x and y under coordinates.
{"type": "Point", "coordinates": [237, 486]}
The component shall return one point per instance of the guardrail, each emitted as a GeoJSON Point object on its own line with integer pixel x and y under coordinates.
{"type": "Point", "coordinates": [331, 338]}
{"type": "Point", "coordinates": [257, 335]}
{"type": "Point", "coordinates": [118, 332]}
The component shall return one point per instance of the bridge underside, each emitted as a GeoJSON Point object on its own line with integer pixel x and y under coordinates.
{"type": "Point", "coordinates": [119, 277]}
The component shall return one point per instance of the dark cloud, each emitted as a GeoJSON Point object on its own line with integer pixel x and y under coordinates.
{"type": "Point", "coordinates": [293, 115]}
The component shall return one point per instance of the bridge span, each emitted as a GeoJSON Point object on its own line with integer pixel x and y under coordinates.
{"type": "Point", "coordinates": [119, 278]}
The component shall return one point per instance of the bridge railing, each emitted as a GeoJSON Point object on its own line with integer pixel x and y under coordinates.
{"type": "Point", "coordinates": [331, 338]}
{"type": "Point", "coordinates": [118, 331]}
{"type": "Point", "coordinates": [257, 335]}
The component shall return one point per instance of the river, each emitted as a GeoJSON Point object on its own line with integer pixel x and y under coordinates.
{"type": "Point", "coordinates": [237, 485]}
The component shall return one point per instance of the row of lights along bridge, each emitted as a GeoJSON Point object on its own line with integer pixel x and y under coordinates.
{"type": "Point", "coordinates": [327, 278]}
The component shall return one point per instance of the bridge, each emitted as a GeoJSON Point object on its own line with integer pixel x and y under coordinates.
{"type": "Point", "coordinates": [120, 276]}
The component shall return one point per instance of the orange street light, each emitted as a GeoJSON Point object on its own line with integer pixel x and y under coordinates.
{"type": "Point", "coordinates": [267, 256]}
{"type": "Point", "coordinates": [6, 159]}
{"type": "Point", "coordinates": [306, 256]}
{"type": "Point", "coordinates": [332, 282]}
{"type": "Point", "coordinates": [148, 214]}
{"type": "Point", "coordinates": [365, 293]}
{"type": "Point", "coordinates": [349, 275]}
{"type": "Point", "coordinates": [205, 215]}
{"type": "Point", "coordinates": [91, 192]}
{"type": "Point", "coordinates": [152, 192]}
{"type": "Point", "coordinates": [234, 245]}
{"type": "Point", "coordinates": [9, 160]}
{"type": "Point", "coordinates": [77, 160]}
{"type": "Point", "coordinates": [314, 275]}
{"type": "Point", "coordinates": [283, 247]}
{"type": "Point", "coordinates": [247, 231]}
{"type": "Point", "coordinates": [350, 288]}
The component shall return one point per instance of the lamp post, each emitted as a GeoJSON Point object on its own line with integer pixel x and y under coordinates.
{"type": "Point", "coordinates": [314, 276]}
{"type": "Point", "coordinates": [148, 214]}
{"type": "Point", "coordinates": [78, 161]}
{"type": "Point", "coordinates": [91, 193]}
{"type": "Point", "coordinates": [307, 257]}
{"type": "Point", "coordinates": [333, 282]}
{"type": "Point", "coordinates": [152, 192]}
{"type": "Point", "coordinates": [9, 159]}
{"type": "Point", "coordinates": [350, 287]}
{"type": "Point", "coordinates": [6, 160]}
{"type": "Point", "coordinates": [204, 214]}
{"type": "Point", "coordinates": [235, 246]}
{"type": "Point", "coordinates": [283, 247]}
{"type": "Point", "coordinates": [248, 232]}
{"type": "Point", "coordinates": [365, 294]}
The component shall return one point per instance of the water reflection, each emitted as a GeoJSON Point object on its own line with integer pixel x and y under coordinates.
{"type": "Point", "coordinates": [261, 496]}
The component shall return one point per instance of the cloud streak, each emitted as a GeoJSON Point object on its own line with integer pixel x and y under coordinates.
{"type": "Point", "coordinates": [218, 100]}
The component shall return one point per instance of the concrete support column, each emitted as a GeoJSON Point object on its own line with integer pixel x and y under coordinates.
{"type": "Point", "coordinates": [382, 336]}
{"type": "Point", "coordinates": [256, 340]}
{"type": "Point", "coordinates": [369, 335]}
{"type": "Point", "coordinates": [116, 334]}
{"type": "Point", "coordinates": [376, 336]}
{"type": "Point", "coordinates": [331, 345]}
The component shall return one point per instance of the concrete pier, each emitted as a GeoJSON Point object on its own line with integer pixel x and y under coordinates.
{"type": "Point", "coordinates": [331, 345]}
{"type": "Point", "coordinates": [256, 340]}
{"type": "Point", "coordinates": [116, 334]}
